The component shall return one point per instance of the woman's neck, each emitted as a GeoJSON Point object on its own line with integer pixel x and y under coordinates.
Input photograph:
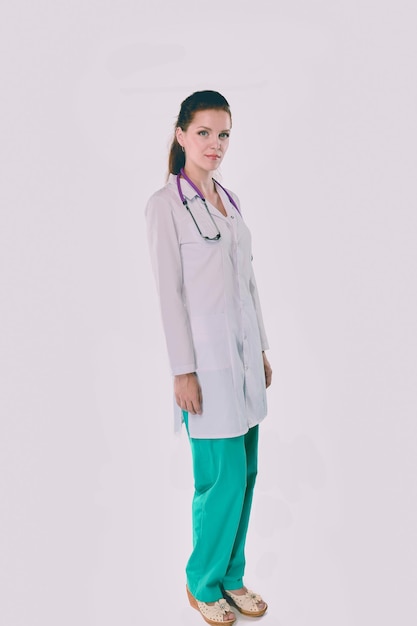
{"type": "Point", "coordinates": [202, 180]}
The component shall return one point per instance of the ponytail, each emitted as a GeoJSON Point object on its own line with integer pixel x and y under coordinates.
{"type": "Point", "coordinates": [176, 159]}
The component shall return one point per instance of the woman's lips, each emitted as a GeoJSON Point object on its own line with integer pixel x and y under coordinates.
{"type": "Point", "coordinates": [212, 156]}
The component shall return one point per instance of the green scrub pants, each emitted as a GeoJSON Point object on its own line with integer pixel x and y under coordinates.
{"type": "Point", "coordinates": [224, 477]}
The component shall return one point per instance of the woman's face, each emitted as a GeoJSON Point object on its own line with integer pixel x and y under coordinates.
{"type": "Point", "coordinates": [206, 139]}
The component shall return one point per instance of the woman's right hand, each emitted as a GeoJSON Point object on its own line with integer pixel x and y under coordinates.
{"type": "Point", "coordinates": [188, 394]}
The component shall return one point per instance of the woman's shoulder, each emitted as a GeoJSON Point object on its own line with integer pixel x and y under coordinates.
{"type": "Point", "coordinates": [231, 194]}
{"type": "Point", "coordinates": [164, 196]}
{"type": "Point", "coordinates": [234, 196]}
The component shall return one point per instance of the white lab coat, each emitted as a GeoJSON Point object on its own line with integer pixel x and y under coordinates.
{"type": "Point", "coordinates": [210, 310]}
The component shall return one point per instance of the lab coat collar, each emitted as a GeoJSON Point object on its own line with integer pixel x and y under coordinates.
{"type": "Point", "coordinates": [186, 188]}
{"type": "Point", "coordinates": [190, 193]}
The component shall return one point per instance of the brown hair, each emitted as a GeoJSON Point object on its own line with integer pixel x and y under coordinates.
{"type": "Point", "coordinates": [198, 101]}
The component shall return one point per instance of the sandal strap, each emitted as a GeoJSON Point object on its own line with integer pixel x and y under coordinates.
{"type": "Point", "coordinates": [248, 601]}
{"type": "Point", "coordinates": [216, 611]}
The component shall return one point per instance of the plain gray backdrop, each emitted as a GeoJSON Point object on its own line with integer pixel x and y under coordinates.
{"type": "Point", "coordinates": [96, 489]}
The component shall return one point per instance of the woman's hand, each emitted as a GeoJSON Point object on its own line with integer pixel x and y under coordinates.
{"type": "Point", "coordinates": [268, 371]}
{"type": "Point", "coordinates": [188, 394]}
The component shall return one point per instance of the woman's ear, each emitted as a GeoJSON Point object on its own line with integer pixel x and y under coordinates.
{"type": "Point", "coordinates": [179, 135]}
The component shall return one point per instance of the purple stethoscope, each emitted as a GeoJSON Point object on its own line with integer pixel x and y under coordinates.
{"type": "Point", "coordinates": [200, 195]}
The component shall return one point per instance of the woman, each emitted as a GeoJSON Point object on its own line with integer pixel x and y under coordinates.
{"type": "Point", "coordinates": [201, 257]}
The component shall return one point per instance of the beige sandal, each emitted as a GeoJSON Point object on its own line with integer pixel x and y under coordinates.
{"type": "Point", "coordinates": [247, 603]}
{"type": "Point", "coordinates": [212, 613]}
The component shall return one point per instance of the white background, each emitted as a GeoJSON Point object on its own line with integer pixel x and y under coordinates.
{"type": "Point", "coordinates": [95, 488]}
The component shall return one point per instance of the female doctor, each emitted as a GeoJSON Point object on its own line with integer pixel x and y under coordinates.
{"type": "Point", "coordinates": [201, 257]}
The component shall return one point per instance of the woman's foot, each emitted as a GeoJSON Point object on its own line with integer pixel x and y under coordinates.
{"type": "Point", "coordinates": [228, 616]}
{"type": "Point", "coordinates": [247, 602]}
{"type": "Point", "coordinates": [213, 612]}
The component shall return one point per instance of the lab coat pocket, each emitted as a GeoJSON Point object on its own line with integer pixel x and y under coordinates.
{"type": "Point", "coordinates": [211, 341]}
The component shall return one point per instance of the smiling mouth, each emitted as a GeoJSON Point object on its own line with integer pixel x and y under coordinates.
{"type": "Point", "coordinates": [213, 156]}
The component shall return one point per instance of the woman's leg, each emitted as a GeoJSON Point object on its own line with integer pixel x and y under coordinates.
{"type": "Point", "coordinates": [234, 575]}
{"type": "Point", "coordinates": [220, 487]}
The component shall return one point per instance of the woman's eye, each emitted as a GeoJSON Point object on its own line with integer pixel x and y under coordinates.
{"type": "Point", "coordinates": [202, 132]}
{"type": "Point", "coordinates": [224, 135]}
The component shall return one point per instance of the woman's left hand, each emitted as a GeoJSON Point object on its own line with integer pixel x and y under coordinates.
{"type": "Point", "coordinates": [268, 371]}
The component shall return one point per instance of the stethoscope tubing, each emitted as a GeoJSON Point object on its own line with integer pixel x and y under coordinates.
{"type": "Point", "coordinates": [198, 192]}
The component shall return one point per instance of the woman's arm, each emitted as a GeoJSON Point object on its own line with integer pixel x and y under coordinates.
{"type": "Point", "coordinates": [264, 341]}
{"type": "Point", "coordinates": [267, 370]}
{"type": "Point", "coordinates": [256, 303]}
{"type": "Point", "coordinates": [167, 268]}
{"type": "Point", "coordinates": [255, 298]}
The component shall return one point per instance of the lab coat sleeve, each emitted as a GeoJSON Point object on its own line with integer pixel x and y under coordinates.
{"type": "Point", "coordinates": [255, 297]}
{"type": "Point", "coordinates": [167, 268]}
